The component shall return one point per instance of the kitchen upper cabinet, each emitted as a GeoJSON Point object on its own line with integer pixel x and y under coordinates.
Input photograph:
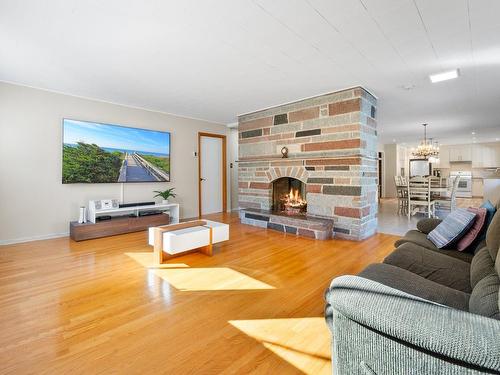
{"type": "Point", "coordinates": [478, 156]}
{"type": "Point", "coordinates": [493, 156]}
{"type": "Point", "coordinates": [486, 155]}
{"type": "Point", "coordinates": [460, 153]}
{"type": "Point", "coordinates": [444, 157]}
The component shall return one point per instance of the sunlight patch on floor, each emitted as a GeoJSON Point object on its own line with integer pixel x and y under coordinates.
{"type": "Point", "coordinates": [183, 277]}
{"type": "Point", "coordinates": [146, 260]}
{"type": "Point", "coordinates": [302, 342]}
{"type": "Point", "coordinates": [216, 278]}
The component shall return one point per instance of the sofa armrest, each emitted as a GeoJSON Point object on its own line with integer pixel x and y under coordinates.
{"type": "Point", "coordinates": [428, 225]}
{"type": "Point", "coordinates": [457, 335]}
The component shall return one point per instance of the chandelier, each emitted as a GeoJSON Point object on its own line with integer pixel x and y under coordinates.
{"type": "Point", "coordinates": [426, 148]}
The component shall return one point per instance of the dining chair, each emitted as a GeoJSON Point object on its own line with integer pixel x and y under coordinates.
{"type": "Point", "coordinates": [419, 196]}
{"type": "Point", "coordinates": [401, 194]}
{"type": "Point", "coordinates": [449, 202]}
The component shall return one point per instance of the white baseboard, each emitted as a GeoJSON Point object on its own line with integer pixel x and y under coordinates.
{"type": "Point", "coordinates": [33, 238]}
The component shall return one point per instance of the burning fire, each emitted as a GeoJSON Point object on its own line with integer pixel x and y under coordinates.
{"type": "Point", "coordinates": [294, 201]}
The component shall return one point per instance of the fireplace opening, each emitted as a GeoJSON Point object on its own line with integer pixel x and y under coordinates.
{"type": "Point", "coordinates": [289, 196]}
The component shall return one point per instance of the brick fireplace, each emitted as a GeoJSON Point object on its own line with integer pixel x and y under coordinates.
{"type": "Point", "coordinates": [332, 150]}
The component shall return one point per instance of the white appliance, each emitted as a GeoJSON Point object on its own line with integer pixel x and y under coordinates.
{"type": "Point", "coordinates": [464, 189]}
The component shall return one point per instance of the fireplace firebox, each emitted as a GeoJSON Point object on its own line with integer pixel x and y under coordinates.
{"type": "Point", "coordinates": [289, 196]}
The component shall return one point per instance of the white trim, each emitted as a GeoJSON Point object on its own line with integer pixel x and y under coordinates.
{"type": "Point", "coordinates": [110, 102]}
{"type": "Point", "coordinates": [232, 125]}
{"type": "Point", "coordinates": [309, 97]}
{"type": "Point", "coordinates": [33, 238]}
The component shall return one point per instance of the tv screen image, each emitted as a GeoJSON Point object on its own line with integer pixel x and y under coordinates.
{"type": "Point", "coordinates": [105, 153]}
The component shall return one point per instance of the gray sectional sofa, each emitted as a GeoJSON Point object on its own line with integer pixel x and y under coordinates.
{"type": "Point", "coordinates": [422, 311]}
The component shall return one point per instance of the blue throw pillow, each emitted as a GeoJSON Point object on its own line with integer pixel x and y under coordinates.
{"type": "Point", "coordinates": [489, 216]}
{"type": "Point", "coordinates": [452, 228]}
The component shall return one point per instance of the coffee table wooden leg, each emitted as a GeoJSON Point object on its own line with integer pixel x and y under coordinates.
{"type": "Point", "coordinates": [158, 246]}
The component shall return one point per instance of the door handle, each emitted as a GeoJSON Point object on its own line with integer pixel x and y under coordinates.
{"type": "Point", "coordinates": [202, 179]}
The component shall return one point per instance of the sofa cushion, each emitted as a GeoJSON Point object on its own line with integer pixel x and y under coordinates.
{"type": "Point", "coordinates": [420, 239]}
{"type": "Point", "coordinates": [428, 225]}
{"type": "Point", "coordinates": [431, 265]}
{"type": "Point", "coordinates": [416, 237]}
{"type": "Point", "coordinates": [481, 266]}
{"type": "Point", "coordinates": [484, 297]}
{"type": "Point", "coordinates": [475, 230]}
{"type": "Point", "coordinates": [493, 235]}
{"type": "Point", "coordinates": [411, 283]}
{"type": "Point", "coordinates": [491, 209]}
{"type": "Point", "coordinates": [452, 228]}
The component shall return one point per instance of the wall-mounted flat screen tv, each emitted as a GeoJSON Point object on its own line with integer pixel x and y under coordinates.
{"type": "Point", "coordinates": [105, 153]}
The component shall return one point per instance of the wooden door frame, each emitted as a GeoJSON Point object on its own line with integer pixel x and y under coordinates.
{"type": "Point", "coordinates": [224, 169]}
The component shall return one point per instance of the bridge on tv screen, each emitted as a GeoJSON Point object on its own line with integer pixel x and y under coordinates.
{"type": "Point", "coordinates": [137, 169]}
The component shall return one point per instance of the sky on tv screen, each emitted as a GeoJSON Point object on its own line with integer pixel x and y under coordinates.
{"type": "Point", "coordinates": [114, 137]}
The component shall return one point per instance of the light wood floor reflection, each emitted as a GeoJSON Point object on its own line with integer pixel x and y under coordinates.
{"type": "Point", "coordinates": [96, 307]}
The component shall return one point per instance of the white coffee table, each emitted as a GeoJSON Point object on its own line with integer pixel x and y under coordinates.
{"type": "Point", "coordinates": [178, 239]}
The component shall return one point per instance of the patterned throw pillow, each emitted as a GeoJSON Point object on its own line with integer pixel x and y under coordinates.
{"type": "Point", "coordinates": [475, 230]}
{"type": "Point", "coordinates": [491, 212]}
{"type": "Point", "coordinates": [452, 228]}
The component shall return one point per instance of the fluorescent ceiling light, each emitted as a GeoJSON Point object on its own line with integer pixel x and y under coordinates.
{"type": "Point", "coordinates": [444, 76]}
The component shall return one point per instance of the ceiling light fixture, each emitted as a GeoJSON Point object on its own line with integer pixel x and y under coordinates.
{"type": "Point", "coordinates": [426, 148]}
{"type": "Point", "coordinates": [444, 76]}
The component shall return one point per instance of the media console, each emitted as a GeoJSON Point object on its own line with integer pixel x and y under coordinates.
{"type": "Point", "coordinates": [123, 220]}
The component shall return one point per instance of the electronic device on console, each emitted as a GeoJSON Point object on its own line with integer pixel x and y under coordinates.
{"type": "Point", "coordinates": [123, 205]}
{"type": "Point", "coordinates": [103, 204]}
{"type": "Point", "coordinates": [149, 213]}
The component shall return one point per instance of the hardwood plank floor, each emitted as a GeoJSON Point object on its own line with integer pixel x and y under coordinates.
{"type": "Point", "coordinates": [94, 307]}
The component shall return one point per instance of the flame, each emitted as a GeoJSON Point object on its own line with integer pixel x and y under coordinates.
{"type": "Point", "coordinates": [294, 199]}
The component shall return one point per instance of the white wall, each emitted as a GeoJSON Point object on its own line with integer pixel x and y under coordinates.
{"type": "Point", "coordinates": [390, 169]}
{"type": "Point", "coordinates": [33, 201]}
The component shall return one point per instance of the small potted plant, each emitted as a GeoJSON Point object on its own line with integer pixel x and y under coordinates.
{"type": "Point", "coordinates": [165, 195]}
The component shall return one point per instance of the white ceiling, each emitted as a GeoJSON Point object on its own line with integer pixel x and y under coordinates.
{"type": "Point", "coordinates": [217, 59]}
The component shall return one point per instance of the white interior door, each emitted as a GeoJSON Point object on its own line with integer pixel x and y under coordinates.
{"type": "Point", "coordinates": [211, 174]}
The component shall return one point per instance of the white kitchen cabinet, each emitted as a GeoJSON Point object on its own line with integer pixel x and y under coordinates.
{"type": "Point", "coordinates": [486, 155]}
{"type": "Point", "coordinates": [477, 187]}
{"type": "Point", "coordinates": [478, 156]}
{"type": "Point", "coordinates": [444, 157]}
{"type": "Point", "coordinates": [491, 155]}
{"type": "Point", "coordinates": [460, 153]}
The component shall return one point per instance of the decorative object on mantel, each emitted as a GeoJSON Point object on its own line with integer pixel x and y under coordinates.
{"type": "Point", "coordinates": [426, 148]}
{"type": "Point", "coordinates": [284, 152]}
{"type": "Point", "coordinates": [165, 194]}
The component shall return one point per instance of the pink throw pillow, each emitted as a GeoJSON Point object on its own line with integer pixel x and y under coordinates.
{"type": "Point", "coordinates": [475, 230]}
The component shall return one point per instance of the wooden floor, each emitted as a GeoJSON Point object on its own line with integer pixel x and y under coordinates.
{"type": "Point", "coordinates": [94, 307]}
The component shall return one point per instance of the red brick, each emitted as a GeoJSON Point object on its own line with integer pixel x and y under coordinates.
{"type": "Point", "coordinates": [346, 106]}
{"type": "Point", "coordinates": [243, 185]}
{"type": "Point", "coordinates": [259, 185]}
{"type": "Point", "coordinates": [266, 131]}
{"type": "Point", "coordinates": [348, 212]}
{"type": "Point", "coordinates": [313, 188]}
{"type": "Point", "coordinates": [256, 124]}
{"type": "Point", "coordinates": [365, 211]}
{"type": "Point", "coordinates": [346, 161]}
{"type": "Point", "coordinates": [332, 145]}
{"type": "Point", "coordinates": [304, 114]}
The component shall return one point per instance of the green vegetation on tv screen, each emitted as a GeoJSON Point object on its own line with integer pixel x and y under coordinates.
{"type": "Point", "coordinates": [103, 153]}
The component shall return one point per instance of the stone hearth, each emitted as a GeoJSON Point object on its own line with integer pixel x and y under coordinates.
{"type": "Point", "coordinates": [300, 225]}
{"type": "Point", "coordinates": [331, 141]}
